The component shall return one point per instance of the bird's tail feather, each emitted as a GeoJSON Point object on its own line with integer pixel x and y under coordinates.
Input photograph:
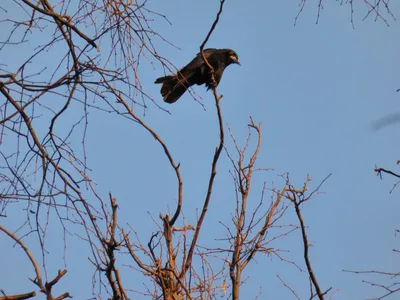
{"type": "Point", "coordinates": [173, 87]}
{"type": "Point", "coordinates": [164, 79]}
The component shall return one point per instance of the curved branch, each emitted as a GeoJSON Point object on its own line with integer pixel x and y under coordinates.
{"type": "Point", "coordinates": [163, 145]}
{"type": "Point", "coordinates": [27, 252]}
{"type": "Point", "coordinates": [212, 28]}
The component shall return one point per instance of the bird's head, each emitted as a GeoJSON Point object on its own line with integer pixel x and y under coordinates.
{"type": "Point", "coordinates": [233, 57]}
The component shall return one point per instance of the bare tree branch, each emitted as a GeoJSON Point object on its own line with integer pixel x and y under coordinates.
{"type": "Point", "coordinates": [20, 296]}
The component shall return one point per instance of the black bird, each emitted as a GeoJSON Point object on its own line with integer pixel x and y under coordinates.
{"type": "Point", "coordinates": [197, 72]}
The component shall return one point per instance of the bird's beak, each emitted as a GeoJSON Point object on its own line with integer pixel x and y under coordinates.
{"type": "Point", "coordinates": [235, 61]}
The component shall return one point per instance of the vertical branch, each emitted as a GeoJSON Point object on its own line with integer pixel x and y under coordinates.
{"type": "Point", "coordinates": [306, 246]}
{"type": "Point", "coordinates": [245, 246]}
{"type": "Point", "coordinates": [244, 175]}
{"type": "Point", "coordinates": [210, 183]}
{"type": "Point", "coordinates": [110, 246]}
{"type": "Point", "coordinates": [217, 153]}
{"type": "Point", "coordinates": [297, 197]}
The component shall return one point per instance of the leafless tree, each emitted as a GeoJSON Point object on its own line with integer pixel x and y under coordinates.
{"type": "Point", "coordinates": [375, 9]}
{"type": "Point", "coordinates": [99, 48]}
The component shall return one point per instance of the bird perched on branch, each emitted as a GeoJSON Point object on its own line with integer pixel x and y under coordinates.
{"type": "Point", "coordinates": [197, 72]}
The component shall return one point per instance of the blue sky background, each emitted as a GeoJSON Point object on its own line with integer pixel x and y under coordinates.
{"type": "Point", "coordinates": [316, 89]}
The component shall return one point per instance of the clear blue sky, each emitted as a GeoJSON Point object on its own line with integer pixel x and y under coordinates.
{"type": "Point", "coordinates": [316, 89]}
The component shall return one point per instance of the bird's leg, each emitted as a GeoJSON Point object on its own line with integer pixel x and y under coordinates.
{"type": "Point", "coordinates": [213, 80]}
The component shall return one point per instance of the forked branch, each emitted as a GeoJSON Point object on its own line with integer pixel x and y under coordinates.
{"type": "Point", "coordinates": [297, 197]}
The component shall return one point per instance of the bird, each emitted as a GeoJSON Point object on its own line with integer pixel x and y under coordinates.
{"type": "Point", "coordinates": [197, 72]}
